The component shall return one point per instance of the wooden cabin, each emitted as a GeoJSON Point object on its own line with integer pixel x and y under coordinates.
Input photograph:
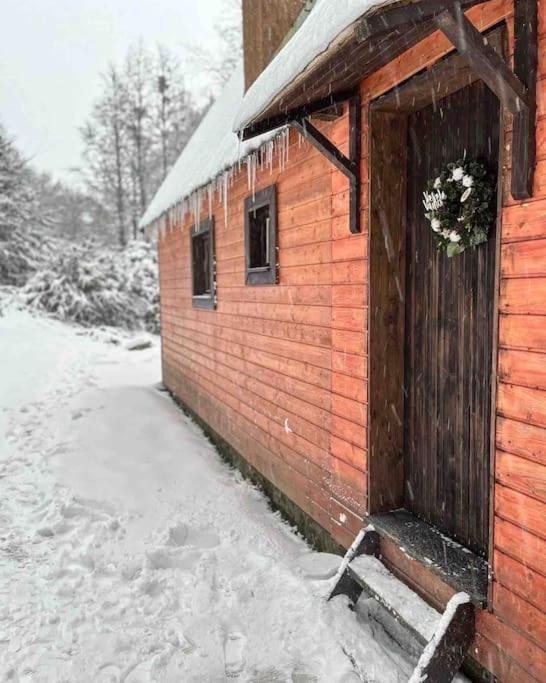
{"type": "Point", "coordinates": [311, 325]}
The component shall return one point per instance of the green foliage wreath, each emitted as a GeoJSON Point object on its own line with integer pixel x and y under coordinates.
{"type": "Point", "coordinates": [459, 206]}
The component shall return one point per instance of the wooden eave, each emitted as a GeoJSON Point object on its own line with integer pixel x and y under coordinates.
{"type": "Point", "coordinates": [364, 47]}
{"type": "Point", "coordinates": [376, 39]}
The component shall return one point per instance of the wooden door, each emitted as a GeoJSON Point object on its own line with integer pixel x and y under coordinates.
{"type": "Point", "coordinates": [449, 331]}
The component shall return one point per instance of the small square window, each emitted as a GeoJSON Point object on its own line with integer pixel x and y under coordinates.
{"type": "Point", "coordinates": [261, 238]}
{"type": "Point", "coordinates": [202, 264]}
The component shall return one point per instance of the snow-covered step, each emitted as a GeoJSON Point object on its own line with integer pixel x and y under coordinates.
{"type": "Point", "coordinates": [442, 639]}
{"type": "Point", "coordinates": [403, 603]}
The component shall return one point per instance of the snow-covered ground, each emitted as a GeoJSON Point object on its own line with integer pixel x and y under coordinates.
{"type": "Point", "coordinates": [129, 551]}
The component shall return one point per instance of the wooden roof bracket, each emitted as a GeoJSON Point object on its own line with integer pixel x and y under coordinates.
{"type": "Point", "coordinates": [516, 90]}
{"type": "Point", "coordinates": [349, 166]}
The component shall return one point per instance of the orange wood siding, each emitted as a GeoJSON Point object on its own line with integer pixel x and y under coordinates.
{"type": "Point", "coordinates": [281, 371]}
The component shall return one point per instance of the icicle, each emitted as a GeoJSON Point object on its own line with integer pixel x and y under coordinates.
{"type": "Point", "coordinates": [239, 141]}
{"type": "Point", "coordinates": [225, 198]}
{"type": "Point", "coordinates": [209, 196]}
{"type": "Point", "coordinates": [254, 166]}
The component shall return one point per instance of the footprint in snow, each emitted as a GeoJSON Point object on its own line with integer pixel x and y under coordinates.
{"type": "Point", "coordinates": [206, 539]}
{"type": "Point", "coordinates": [234, 654]}
{"type": "Point", "coordinates": [177, 535]}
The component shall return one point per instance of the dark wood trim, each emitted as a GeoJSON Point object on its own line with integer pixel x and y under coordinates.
{"type": "Point", "coordinates": [450, 649]}
{"type": "Point", "coordinates": [355, 153]}
{"type": "Point", "coordinates": [386, 325]}
{"type": "Point", "coordinates": [490, 67]}
{"type": "Point", "coordinates": [207, 301]}
{"type": "Point", "coordinates": [525, 68]}
{"type": "Point", "coordinates": [297, 114]}
{"type": "Point", "coordinates": [267, 275]}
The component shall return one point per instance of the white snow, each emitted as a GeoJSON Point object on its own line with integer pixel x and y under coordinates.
{"type": "Point", "coordinates": [319, 565]}
{"type": "Point", "coordinates": [213, 148]}
{"type": "Point", "coordinates": [129, 551]}
{"type": "Point", "coordinates": [413, 609]}
{"type": "Point", "coordinates": [324, 26]}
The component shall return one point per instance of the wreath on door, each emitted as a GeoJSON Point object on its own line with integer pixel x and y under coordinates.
{"type": "Point", "coordinates": [459, 206]}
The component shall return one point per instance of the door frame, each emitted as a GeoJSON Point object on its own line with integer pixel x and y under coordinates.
{"type": "Point", "coordinates": [388, 115]}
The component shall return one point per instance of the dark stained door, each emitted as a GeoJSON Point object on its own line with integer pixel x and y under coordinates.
{"type": "Point", "coordinates": [449, 331]}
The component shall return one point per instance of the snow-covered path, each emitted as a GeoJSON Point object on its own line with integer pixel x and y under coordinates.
{"type": "Point", "coordinates": [129, 551]}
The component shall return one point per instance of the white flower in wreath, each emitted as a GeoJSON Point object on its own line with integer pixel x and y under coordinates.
{"type": "Point", "coordinates": [454, 236]}
{"type": "Point", "coordinates": [468, 181]}
{"type": "Point", "coordinates": [438, 183]}
{"type": "Point", "coordinates": [435, 225]}
{"type": "Point", "coordinates": [457, 173]}
{"type": "Point", "coordinates": [466, 194]}
{"type": "Point", "coordinates": [445, 233]}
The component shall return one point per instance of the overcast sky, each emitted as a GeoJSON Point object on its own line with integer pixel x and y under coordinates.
{"type": "Point", "coordinates": [52, 52]}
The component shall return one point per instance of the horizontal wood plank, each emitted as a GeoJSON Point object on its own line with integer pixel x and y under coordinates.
{"type": "Point", "coordinates": [521, 474]}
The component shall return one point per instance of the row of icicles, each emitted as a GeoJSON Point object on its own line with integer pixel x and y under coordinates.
{"type": "Point", "coordinates": [261, 159]}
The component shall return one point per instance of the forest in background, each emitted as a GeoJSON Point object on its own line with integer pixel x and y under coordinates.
{"type": "Point", "coordinates": [75, 251]}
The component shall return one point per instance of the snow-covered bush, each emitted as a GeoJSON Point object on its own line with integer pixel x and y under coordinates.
{"type": "Point", "coordinates": [24, 246]}
{"type": "Point", "coordinates": [24, 252]}
{"type": "Point", "coordinates": [94, 286]}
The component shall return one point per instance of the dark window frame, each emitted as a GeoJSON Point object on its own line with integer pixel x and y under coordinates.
{"type": "Point", "coordinates": [198, 230]}
{"type": "Point", "coordinates": [265, 275]}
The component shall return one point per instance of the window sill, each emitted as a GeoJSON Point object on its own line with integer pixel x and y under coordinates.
{"type": "Point", "coordinates": [261, 276]}
{"type": "Point", "coordinates": [204, 301]}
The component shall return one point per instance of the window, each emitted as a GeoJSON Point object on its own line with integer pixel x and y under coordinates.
{"type": "Point", "coordinates": [202, 264]}
{"type": "Point", "coordinates": [261, 238]}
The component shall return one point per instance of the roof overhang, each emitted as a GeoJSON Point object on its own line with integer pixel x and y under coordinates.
{"type": "Point", "coordinates": [369, 43]}
{"type": "Point", "coordinates": [384, 32]}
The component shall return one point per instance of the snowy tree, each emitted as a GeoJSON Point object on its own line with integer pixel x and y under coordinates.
{"type": "Point", "coordinates": [220, 63]}
{"type": "Point", "coordinates": [69, 211]}
{"type": "Point", "coordinates": [24, 241]}
{"type": "Point", "coordinates": [106, 151]}
{"type": "Point", "coordinates": [174, 113]}
{"type": "Point", "coordinates": [136, 131]}
{"type": "Point", "coordinates": [137, 90]}
{"type": "Point", "coordinates": [17, 201]}
{"type": "Point", "coordinates": [229, 30]}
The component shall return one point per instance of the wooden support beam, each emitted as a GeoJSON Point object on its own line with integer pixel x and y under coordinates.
{"type": "Point", "coordinates": [525, 68]}
{"type": "Point", "coordinates": [355, 145]}
{"type": "Point", "coordinates": [306, 129]}
{"type": "Point", "coordinates": [445, 653]}
{"type": "Point", "coordinates": [349, 166]}
{"type": "Point", "coordinates": [490, 67]}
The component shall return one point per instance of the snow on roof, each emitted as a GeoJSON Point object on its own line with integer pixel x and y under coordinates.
{"type": "Point", "coordinates": [212, 149]}
{"type": "Point", "coordinates": [327, 20]}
